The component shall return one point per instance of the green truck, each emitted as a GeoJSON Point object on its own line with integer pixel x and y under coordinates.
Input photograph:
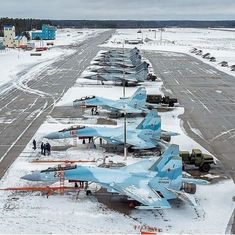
{"type": "Point", "coordinates": [198, 159]}
{"type": "Point", "coordinates": [159, 99]}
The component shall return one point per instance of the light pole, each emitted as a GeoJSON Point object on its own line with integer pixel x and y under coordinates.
{"type": "Point", "coordinates": [125, 129]}
{"type": "Point", "coordinates": [161, 30]}
{"type": "Point", "coordinates": [123, 74]}
{"type": "Point", "coordinates": [155, 33]}
{"type": "Point", "coordinates": [124, 96]}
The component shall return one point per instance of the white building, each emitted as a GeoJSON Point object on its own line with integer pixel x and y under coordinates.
{"type": "Point", "coordinates": [9, 36]}
{"type": "Point", "coordinates": [20, 41]}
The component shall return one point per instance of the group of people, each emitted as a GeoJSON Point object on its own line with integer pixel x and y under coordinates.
{"type": "Point", "coordinates": [45, 148]}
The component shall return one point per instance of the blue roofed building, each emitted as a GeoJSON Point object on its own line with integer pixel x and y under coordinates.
{"type": "Point", "coordinates": [47, 33]}
{"type": "Point", "coordinates": [20, 41]}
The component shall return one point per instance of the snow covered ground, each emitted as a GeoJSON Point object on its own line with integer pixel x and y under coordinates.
{"type": "Point", "coordinates": [72, 213]}
{"type": "Point", "coordinates": [13, 61]}
{"type": "Point", "coordinates": [220, 43]}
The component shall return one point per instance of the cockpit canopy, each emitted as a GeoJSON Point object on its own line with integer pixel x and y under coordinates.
{"type": "Point", "coordinates": [59, 168]}
{"type": "Point", "coordinates": [85, 98]}
{"type": "Point", "coordinates": [72, 128]}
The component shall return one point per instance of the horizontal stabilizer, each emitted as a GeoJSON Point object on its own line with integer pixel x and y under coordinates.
{"type": "Point", "coordinates": [144, 194]}
{"type": "Point", "coordinates": [162, 206]}
{"type": "Point", "coordinates": [195, 181]}
{"type": "Point", "coordinates": [184, 197]}
{"type": "Point", "coordinates": [171, 152]}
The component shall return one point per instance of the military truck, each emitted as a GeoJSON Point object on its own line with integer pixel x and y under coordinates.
{"type": "Point", "coordinates": [198, 159]}
{"type": "Point", "coordinates": [159, 99]}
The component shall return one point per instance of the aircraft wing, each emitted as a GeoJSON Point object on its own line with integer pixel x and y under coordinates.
{"type": "Point", "coordinates": [129, 109]}
{"type": "Point", "coordinates": [140, 143]}
{"type": "Point", "coordinates": [133, 140]}
{"type": "Point", "coordinates": [125, 78]}
{"type": "Point", "coordinates": [184, 197]}
{"type": "Point", "coordinates": [141, 192]}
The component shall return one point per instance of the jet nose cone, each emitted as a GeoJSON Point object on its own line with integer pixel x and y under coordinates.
{"type": "Point", "coordinates": [53, 135]}
{"type": "Point", "coordinates": [35, 176]}
{"type": "Point", "coordinates": [89, 75]}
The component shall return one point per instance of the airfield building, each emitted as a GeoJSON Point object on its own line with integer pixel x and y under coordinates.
{"type": "Point", "coordinates": [47, 33]}
{"type": "Point", "coordinates": [20, 41]}
{"type": "Point", "coordinates": [9, 36]}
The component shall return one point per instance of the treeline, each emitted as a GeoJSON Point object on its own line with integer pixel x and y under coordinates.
{"type": "Point", "coordinates": [143, 24]}
{"type": "Point", "coordinates": [22, 25]}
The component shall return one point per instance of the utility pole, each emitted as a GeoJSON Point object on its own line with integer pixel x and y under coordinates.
{"type": "Point", "coordinates": [155, 33]}
{"type": "Point", "coordinates": [125, 129]}
{"type": "Point", "coordinates": [123, 74]}
{"type": "Point", "coordinates": [161, 29]}
{"type": "Point", "coordinates": [124, 96]}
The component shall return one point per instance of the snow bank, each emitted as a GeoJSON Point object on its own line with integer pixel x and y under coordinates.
{"type": "Point", "coordinates": [220, 43]}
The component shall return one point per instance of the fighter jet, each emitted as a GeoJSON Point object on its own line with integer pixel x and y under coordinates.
{"type": "Point", "coordinates": [135, 104]}
{"type": "Point", "coordinates": [147, 135]}
{"type": "Point", "coordinates": [106, 58]}
{"type": "Point", "coordinates": [119, 63]}
{"type": "Point", "coordinates": [151, 183]}
{"type": "Point", "coordinates": [118, 54]}
{"type": "Point", "coordinates": [134, 78]}
{"type": "Point", "coordinates": [132, 57]}
{"type": "Point", "coordinates": [117, 69]}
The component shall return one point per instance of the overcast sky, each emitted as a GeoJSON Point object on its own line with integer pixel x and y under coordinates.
{"type": "Point", "coordinates": [119, 9]}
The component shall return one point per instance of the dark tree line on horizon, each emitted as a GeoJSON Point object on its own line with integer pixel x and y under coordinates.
{"type": "Point", "coordinates": [22, 25]}
{"type": "Point", "coordinates": [143, 23]}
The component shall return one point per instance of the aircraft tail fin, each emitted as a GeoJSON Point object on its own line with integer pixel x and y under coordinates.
{"type": "Point", "coordinates": [142, 74]}
{"type": "Point", "coordinates": [136, 60]}
{"type": "Point", "coordinates": [138, 99]}
{"type": "Point", "coordinates": [152, 122]}
{"type": "Point", "coordinates": [134, 50]}
{"type": "Point", "coordinates": [162, 164]}
{"type": "Point", "coordinates": [141, 66]}
{"type": "Point", "coordinates": [134, 56]}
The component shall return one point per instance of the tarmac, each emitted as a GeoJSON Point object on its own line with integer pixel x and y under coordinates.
{"type": "Point", "coordinates": [25, 105]}
{"type": "Point", "coordinates": [208, 96]}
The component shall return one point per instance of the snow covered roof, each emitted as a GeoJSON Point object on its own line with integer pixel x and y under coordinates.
{"type": "Point", "coordinates": [18, 38]}
{"type": "Point", "coordinates": [8, 26]}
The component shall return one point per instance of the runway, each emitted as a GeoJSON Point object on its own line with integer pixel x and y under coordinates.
{"type": "Point", "coordinates": [26, 102]}
{"type": "Point", "coordinates": [208, 96]}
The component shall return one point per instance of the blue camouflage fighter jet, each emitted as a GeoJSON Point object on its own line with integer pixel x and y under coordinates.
{"type": "Point", "coordinates": [116, 69]}
{"type": "Point", "coordinates": [134, 78]}
{"type": "Point", "coordinates": [117, 55]}
{"type": "Point", "coordinates": [147, 135]}
{"type": "Point", "coordinates": [133, 105]}
{"type": "Point", "coordinates": [130, 61]}
{"type": "Point", "coordinates": [151, 183]}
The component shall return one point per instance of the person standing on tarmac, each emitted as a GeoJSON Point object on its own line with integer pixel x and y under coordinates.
{"type": "Point", "coordinates": [43, 149]}
{"type": "Point", "coordinates": [34, 144]}
{"type": "Point", "coordinates": [48, 148]}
